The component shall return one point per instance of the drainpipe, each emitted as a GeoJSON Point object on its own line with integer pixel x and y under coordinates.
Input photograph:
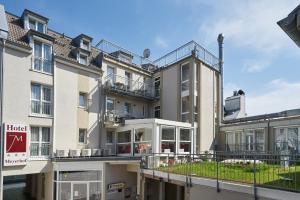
{"type": "Point", "coordinates": [221, 83]}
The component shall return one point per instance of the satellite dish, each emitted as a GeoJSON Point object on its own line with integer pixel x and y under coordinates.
{"type": "Point", "coordinates": [146, 53]}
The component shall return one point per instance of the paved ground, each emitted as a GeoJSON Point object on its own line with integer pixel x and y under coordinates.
{"type": "Point", "coordinates": [14, 191]}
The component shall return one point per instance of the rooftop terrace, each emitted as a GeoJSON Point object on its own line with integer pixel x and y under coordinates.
{"type": "Point", "coordinates": [184, 51]}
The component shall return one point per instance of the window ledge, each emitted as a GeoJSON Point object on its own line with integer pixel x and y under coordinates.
{"type": "Point", "coordinates": [41, 72]}
{"type": "Point", "coordinates": [41, 116]}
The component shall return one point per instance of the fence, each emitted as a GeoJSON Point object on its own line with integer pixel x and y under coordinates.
{"type": "Point", "coordinates": [273, 170]}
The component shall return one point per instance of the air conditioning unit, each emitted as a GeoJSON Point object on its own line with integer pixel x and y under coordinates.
{"type": "Point", "coordinates": [74, 152]}
{"type": "Point", "coordinates": [61, 153]}
{"type": "Point", "coordinates": [96, 152]}
{"type": "Point", "coordinates": [86, 152]}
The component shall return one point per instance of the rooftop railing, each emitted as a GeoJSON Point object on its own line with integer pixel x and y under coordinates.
{"type": "Point", "coordinates": [187, 50]}
{"type": "Point", "coordinates": [271, 170]}
{"type": "Point", "coordinates": [180, 53]}
{"type": "Point", "coordinates": [112, 49]}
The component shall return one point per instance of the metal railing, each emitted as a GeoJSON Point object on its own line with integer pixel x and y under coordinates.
{"type": "Point", "coordinates": [272, 170]}
{"type": "Point", "coordinates": [111, 49]}
{"type": "Point", "coordinates": [186, 50]}
{"type": "Point", "coordinates": [128, 86]}
{"type": "Point", "coordinates": [118, 116]}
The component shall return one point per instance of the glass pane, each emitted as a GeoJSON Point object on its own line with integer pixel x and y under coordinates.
{"type": "Point", "coordinates": [185, 103]}
{"type": "Point", "coordinates": [185, 72]}
{"type": "Point", "coordinates": [82, 102]}
{"type": "Point", "coordinates": [45, 134]}
{"type": "Point", "coordinates": [82, 135]}
{"type": "Point", "coordinates": [34, 149]}
{"type": "Point", "coordinates": [184, 147]}
{"type": "Point", "coordinates": [168, 133]}
{"type": "Point", "coordinates": [185, 134]}
{"type": "Point", "coordinates": [143, 134]}
{"type": "Point", "coordinates": [46, 94]}
{"type": "Point", "coordinates": [46, 108]}
{"type": "Point", "coordinates": [40, 27]}
{"type": "Point", "coordinates": [32, 24]}
{"type": "Point", "coordinates": [80, 191]}
{"type": "Point", "coordinates": [127, 108]}
{"type": "Point", "coordinates": [95, 191]}
{"type": "Point", "coordinates": [35, 106]}
{"type": "Point", "coordinates": [124, 136]}
{"type": "Point", "coordinates": [64, 191]}
{"type": "Point", "coordinates": [110, 104]}
{"type": "Point", "coordinates": [109, 137]}
{"type": "Point", "coordinates": [292, 139]}
{"type": "Point", "coordinates": [35, 92]}
{"type": "Point", "coordinates": [167, 147]}
{"type": "Point", "coordinates": [45, 149]}
{"type": "Point", "coordinates": [124, 148]}
{"type": "Point", "coordinates": [142, 148]}
{"type": "Point", "coordinates": [34, 134]}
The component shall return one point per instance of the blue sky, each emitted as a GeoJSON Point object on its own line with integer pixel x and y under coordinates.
{"type": "Point", "coordinates": [259, 56]}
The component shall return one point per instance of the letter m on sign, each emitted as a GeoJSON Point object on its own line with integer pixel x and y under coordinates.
{"type": "Point", "coordinates": [15, 142]}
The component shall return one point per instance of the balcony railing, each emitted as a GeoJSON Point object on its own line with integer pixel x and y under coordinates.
{"type": "Point", "coordinates": [278, 171]}
{"type": "Point", "coordinates": [117, 116]}
{"type": "Point", "coordinates": [186, 50]}
{"type": "Point", "coordinates": [111, 49]}
{"type": "Point", "coordinates": [124, 86]}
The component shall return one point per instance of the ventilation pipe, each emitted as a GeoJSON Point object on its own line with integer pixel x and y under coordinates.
{"type": "Point", "coordinates": [221, 61]}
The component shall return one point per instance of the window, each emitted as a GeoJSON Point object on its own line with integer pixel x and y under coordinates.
{"type": "Point", "coordinates": [109, 137]}
{"type": "Point", "coordinates": [39, 141]}
{"type": "Point", "coordinates": [168, 139]}
{"type": "Point", "coordinates": [157, 86]}
{"type": "Point", "coordinates": [185, 78]}
{"type": "Point", "coordinates": [287, 139]}
{"type": "Point", "coordinates": [254, 140]}
{"type": "Point", "coordinates": [157, 112]}
{"type": "Point", "coordinates": [124, 142]}
{"type": "Point", "coordinates": [127, 80]}
{"type": "Point", "coordinates": [142, 141]}
{"type": "Point", "coordinates": [41, 99]}
{"type": "Point", "coordinates": [82, 137]}
{"type": "Point", "coordinates": [42, 57]}
{"type": "Point", "coordinates": [82, 100]}
{"type": "Point", "coordinates": [185, 108]}
{"type": "Point", "coordinates": [185, 140]}
{"type": "Point", "coordinates": [127, 109]}
{"type": "Point", "coordinates": [36, 25]}
{"type": "Point", "coordinates": [111, 78]}
{"type": "Point", "coordinates": [85, 45]}
{"type": "Point", "coordinates": [83, 59]}
{"type": "Point", "coordinates": [110, 104]}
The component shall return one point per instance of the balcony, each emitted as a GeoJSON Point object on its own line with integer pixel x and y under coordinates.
{"type": "Point", "coordinates": [127, 87]}
{"type": "Point", "coordinates": [114, 118]}
{"type": "Point", "coordinates": [264, 170]}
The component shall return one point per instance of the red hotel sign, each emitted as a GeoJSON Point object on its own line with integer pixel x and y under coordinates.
{"type": "Point", "coordinates": [15, 144]}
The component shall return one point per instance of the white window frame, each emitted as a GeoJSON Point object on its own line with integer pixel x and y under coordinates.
{"type": "Point", "coordinates": [36, 24]}
{"type": "Point", "coordinates": [161, 140]}
{"type": "Point", "coordinates": [253, 133]}
{"type": "Point", "coordinates": [85, 136]}
{"type": "Point", "coordinates": [79, 59]}
{"type": "Point", "coordinates": [286, 134]}
{"type": "Point", "coordinates": [185, 141]}
{"type": "Point", "coordinates": [143, 141]}
{"type": "Point", "coordinates": [185, 92]}
{"type": "Point", "coordinates": [40, 142]}
{"type": "Point", "coordinates": [42, 58]}
{"type": "Point", "coordinates": [124, 143]}
{"type": "Point", "coordinates": [82, 44]}
{"type": "Point", "coordinates": [84, 94]}
{"type": "Point", "coordinates": [41, 100]}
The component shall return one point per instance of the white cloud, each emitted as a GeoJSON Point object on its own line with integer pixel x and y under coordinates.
{"type": "Point", "coordinates": [160, 42]}
{"type": "Point", "coordinates": [252, 65]}
{"type": "Point", "coordinates": [249, 23]}
{"type": "Point", "coordinates": [281, 95]}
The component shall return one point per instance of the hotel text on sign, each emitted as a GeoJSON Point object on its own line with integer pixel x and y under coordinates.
{"type": "Point", "coordinates": [15, 144]}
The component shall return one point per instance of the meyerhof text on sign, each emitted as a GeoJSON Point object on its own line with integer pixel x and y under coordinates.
{"type": "Point", "coordinates": [15, 144]}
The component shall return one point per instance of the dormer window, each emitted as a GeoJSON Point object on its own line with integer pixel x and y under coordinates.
{"type": "Point", "coordinates": [36, 25]}
{"type": "Point", "coordinates": [85, 45]}
{"type": "Point", "coordinates": [83, 59]}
